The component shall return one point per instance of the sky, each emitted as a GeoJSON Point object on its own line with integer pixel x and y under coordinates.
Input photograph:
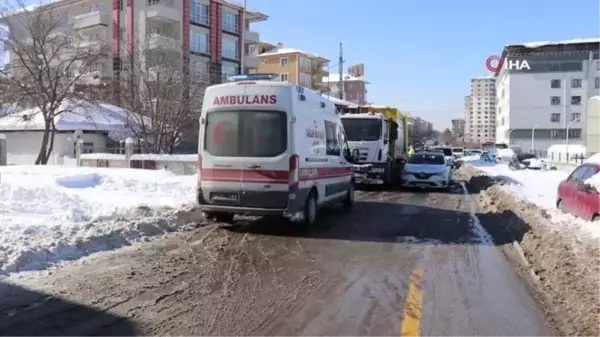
{"type": "Point", "coordinates": [420, 55]}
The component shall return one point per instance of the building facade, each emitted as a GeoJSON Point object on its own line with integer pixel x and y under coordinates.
{"type": "Point", "coordinates": [292, 65]}
{"type": "Point", "coordinates": [458, 128]}
{"type": "Point", "coordinates": [481, 116]}
{"type": "Point", "coordinates": [213, 35]}
{"type": "Point", "coordinates": [547, 98]}
{"type": "Point", "coordinates": [467, 118]}
{"type": "Point", "coordinates": [593, 125]}
{"type": "Point", "coordinates": [354, 88]}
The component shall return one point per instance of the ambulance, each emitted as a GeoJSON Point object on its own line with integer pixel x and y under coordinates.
{"type": "Point", "coordinates": [270, 148]}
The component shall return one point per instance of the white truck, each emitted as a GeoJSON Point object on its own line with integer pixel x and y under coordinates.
{"type": "Point", "coordinates": [378, 133]}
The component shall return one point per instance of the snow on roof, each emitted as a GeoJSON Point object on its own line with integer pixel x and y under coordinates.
{"type": "Point", "coordinates": [282, 51]}
{"type": "Point", "coordinates": [85, 116]}
{"type": "Point", "coordinates": [485, 77]}
{"type": "Point", "coordinates": [597, 98]}
{"type": "Point", "coordinates": [550, 43]}
{"type": "Point", "coordinates": [347, 77]}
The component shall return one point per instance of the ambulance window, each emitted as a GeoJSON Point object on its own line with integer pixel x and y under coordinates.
{"type": "Point", "coordinates": [333, 147]}
{"type": "Point", "coordinates": [246, 133]}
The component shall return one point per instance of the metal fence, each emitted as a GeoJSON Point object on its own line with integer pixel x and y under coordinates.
{"type": "Point", "coordinates": [567, 158]}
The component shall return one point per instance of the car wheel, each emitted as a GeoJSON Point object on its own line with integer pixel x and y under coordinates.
{"type": "Point", "coordinates": [349, 200]}
{"type": "Point", "coordinates": [309, 214]}
{"type": "Point", "coordinates": [561, 206]}
{"type": "Point", "coordinates": [219, 217]}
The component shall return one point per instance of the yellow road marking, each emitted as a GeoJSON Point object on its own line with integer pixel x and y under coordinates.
{"type": "Point", "coordinates": [413, 304]}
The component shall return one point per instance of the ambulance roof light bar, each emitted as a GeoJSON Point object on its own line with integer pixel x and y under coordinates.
{"type": "Point", "coordinates": [254, 77]}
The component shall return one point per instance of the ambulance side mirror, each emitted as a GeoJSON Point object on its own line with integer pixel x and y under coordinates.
{"type": "Point", "coordinates": [355, 156]}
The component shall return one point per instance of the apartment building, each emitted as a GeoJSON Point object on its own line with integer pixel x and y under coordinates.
{"type": "Point", "coordinates": [354, 88]}
{"type": "Point", "coordinates": [213, 34]}
{"type": "Point", "coordinates": [420, 129]}
{"type": "Point", "coordinates": [292, 65]}
{"type": "Point", "coordinates": [458, 128]}
{"type": "Point", "coordinates": [467, 118]}
{"type": "Point", "coordinates": [482, 110]}
{"type": "Point", "coordinates": [593, 125]}
{"type": "Point", "coordinates": [548, 98]}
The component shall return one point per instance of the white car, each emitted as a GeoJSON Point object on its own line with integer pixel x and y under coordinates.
{"type": "Point", "coordinates": [427, 170]}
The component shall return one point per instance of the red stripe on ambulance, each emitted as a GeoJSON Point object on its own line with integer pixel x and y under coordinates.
{"type": "Point", "coordinates": [272, 176]}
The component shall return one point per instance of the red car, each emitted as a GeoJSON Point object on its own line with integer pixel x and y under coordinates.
{"type": "Point", "coordinates": [578, 198]}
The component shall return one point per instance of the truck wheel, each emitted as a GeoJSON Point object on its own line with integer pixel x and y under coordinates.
{"type": "Point", "coordinates": [349, 200]}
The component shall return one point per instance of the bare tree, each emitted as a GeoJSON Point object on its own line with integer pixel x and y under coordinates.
{"type": "Point", "coordinates": [160, 91]}
{"type": "Point", "coordinates": [47, 58]}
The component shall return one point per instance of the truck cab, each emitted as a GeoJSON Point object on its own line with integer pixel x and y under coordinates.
{"type": "Point", "coordinates": [375, 136]}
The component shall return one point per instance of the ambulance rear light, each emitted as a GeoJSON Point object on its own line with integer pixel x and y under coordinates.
{"type": "Point", "coordinates": [254, 77]}
{"type": "Point", "coordinates": [294, 173]}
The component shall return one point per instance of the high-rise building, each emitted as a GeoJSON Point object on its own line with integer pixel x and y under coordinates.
{"type": "Point", "coordinates": [482, 110]}
{"type": "Point", "coordinates": [458, 128]}
{"type": "Point", "coordinates": [467, 118]}
{"type": "Point", "coordinates": [213, 34]}
{"type": "Point", "coordinates": [293, 65]}
{"type": "Point", "coordinates": [543, 91]}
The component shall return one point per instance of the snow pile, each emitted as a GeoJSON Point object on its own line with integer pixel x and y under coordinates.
{"type": "Point", "coordinates": [470, 158]}
{"type": "Point", "coordinates": [540, 188]}
{"type": "Point", "coordinates": [50, 214]}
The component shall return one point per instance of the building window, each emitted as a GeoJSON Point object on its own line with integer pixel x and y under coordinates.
{"type": "Point", "coordinates": [228, 70]}
{"type": "Point", "coordinates": [555, 84]}
{"type": "Point", "coordinates": [230, 48]}
{"type": "Point", "coordinates": [199, 42]}
{"type": "Point", "coordinates": [283, 61]}
{"type": "Point", "coordinates": [575, 100]}
{"type": "Point", "coordinates": [305, 80]}
{"type": "Point", "coordinates": [576, 83]}
{"type": "Point", "coordinates": [597, 82]}
{"type": "Point", "coordinates": [332, 145]}
{"type": "Point", "coordinates": [199, 12]}
{"type": "Point", "coordinates": [575, 116]}
{"type": "Point", "coordinates": [555, 100]}
{"type": "Point", "coordinates": [230, 22]}
{"type": "Point", "coordinates": [252, 49]}
{"type": "Point", "coordinates": [283, 77]}
{"type": "Point", "coordinates": [555, 117]}
{"type": "Point", "coordinates": [574, 133]}
{"type": "Point", "coordinates": [305, 63]}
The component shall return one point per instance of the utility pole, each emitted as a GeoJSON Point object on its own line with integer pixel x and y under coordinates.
{"type": "Point", "coordinates": [341, 72]}
{"type": "Point", "coordinates": [243, 38]}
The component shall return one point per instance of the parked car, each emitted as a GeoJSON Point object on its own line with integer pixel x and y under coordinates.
{"type": "Point", "coordinates": [426, 169]}
{"type": "Point", "coordinates": [524, 161]}
{"type": "Point", "coordinates": [458, 152]}
{"type": "Point", "coordinates": [578, 198]}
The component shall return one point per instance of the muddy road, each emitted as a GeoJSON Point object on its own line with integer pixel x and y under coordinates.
{"type": "Point", "coordinates": [398, 263]}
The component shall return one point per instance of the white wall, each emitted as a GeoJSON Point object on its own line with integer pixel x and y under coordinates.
{"type": "Point", "coordinates": [526, 103]}
{"type": "Point", "coordinates": [23, 147]}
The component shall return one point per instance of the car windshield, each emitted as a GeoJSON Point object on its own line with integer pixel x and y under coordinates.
{"type": "Point", "coordinates": [427, 158]}
{"type": "Point", "coordinates": [457, 149]}
{"type": "Point", "coordinates": [447, 151]}
{"type": "Point", "coordinates": [524, 156]}
{"type": "Point", "coordinates": [246, 133]}
{"type": "Point", "coordinates": [362, 129]}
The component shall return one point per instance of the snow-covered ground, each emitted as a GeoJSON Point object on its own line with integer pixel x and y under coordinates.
{"type": "Point", "coordinates": [53, 213]}
{"type": "Point", "coordinates": [540, 188]}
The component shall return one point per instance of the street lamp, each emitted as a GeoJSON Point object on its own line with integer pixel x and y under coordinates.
{"type": "Point", "coordinates": [533, 139]}
{"type": "Point", "coordinates": [508, 136]}
{"type": "Point", "coordinates": [567, 136]}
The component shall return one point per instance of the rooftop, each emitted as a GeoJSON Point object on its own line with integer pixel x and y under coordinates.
{"type": "Point", "coordinates": [280, 50]}
{"type": "Point", "coordinates": [554, 43]}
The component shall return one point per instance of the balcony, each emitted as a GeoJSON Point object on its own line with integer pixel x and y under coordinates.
{"type": "Point", "coordinates": [251, 37]}
{"type": "Point", "coordinates": [163, 42]}
{"type": "Point", "coordinates": [251, 61]}
{"type": "Point", "coordinates": [90, 20]}
{"type": "Point", "coordinates": [163, 11]}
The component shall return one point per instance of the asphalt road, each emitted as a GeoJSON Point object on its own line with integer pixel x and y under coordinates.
{"type": "Point", "coordinates": [398, 263]}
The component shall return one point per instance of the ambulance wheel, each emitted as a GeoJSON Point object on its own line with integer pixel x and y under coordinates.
{"type": "Point", "coordinates": [349, 200]}
{"type": "Point", "coordinates": [219, 217]}
{"type": "Point", "coordinates": [310, 210]}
